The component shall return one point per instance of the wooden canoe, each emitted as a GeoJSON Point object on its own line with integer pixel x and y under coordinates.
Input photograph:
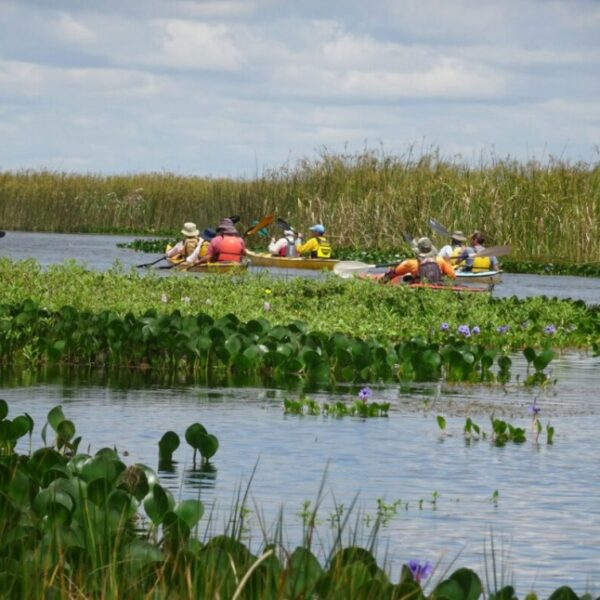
{"type": "Point", "coordinates": [264, 259]}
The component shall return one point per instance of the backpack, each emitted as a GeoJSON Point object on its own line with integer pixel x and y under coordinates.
{"type": "Point", "coordinates": [429, 271]}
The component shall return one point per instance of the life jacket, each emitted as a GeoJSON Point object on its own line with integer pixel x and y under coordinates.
{"type": "Point", "coordinates": [454, 257]}
{"type": "Point", "coordinates": [189, 245]}
{"type": "Point", "coordinates": [429, 270]}
{"type": "Point", "coordinates": [230, 249]}
{"type": "Point", "coordinates": [482, 263]}
{"type": "Point", "coordinates": [203, 248]}
{"type": "Point", "coordinates": [289, 249]}
{"type": "Point", "coordinates": [324, 249]}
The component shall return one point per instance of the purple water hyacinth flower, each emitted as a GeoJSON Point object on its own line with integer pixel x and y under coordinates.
{"type": "Point", "coordinates": [550, 329]}
{"type": "Point", "coordinates": [419, 570]}
{"type": "Point", "coordinates": [534, 409]}
{"type": "Point", "coordinates": [464, 330]}
{"type": "Point", "coordinates": [444, 327]}
{"type": "Point", "coordinates": [476, 330]}
{"type": "Point", "coordinates": [502, 329]}
{"type": "Point", "coordinates": [365, 394]}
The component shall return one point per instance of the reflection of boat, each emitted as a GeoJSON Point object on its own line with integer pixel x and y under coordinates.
{"type": "Point", "coordinates": [214, 267]}
{"type": "Point", "coordinates": [264, 259]}
{"type": "Point", "coordinates": [449, 287]}
{"type": "Point", "coordinates": [487, 277]}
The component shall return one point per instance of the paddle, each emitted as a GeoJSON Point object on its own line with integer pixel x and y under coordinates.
{"type": "Point", "coordinates": [491, 251]}
{"type": "Point", "coordinates": [150, 263]}
{"type": "Point", "coordinates": [2, 234]}
{"type": "Point", "coordinates": [286, 226]}
{"type": "Point", "coordinates": [438, 228]}
{"type": "Point", "coordinates": [264, 222]}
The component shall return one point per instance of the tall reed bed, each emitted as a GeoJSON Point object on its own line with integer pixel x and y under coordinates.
{"type": "Point", "coordinates": [545, 210]}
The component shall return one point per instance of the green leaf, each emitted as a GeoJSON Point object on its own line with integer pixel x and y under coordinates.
{"type": "Point", "coordinates": [55, 417]}
{"type": "Point", "coordinates": [543, 359]}
{"type": "Point", "coordinates": [209, 445]}
{"type": "Point", "coordinates": [193, 435]}
{"type": "Point", "coordinates": [441, 422]}
{"type": "Point", "coordinates": [66, 430]}
{"type": "Point", "coordinates": [156, 504]}
{"type": "Point", "coordinates": [3, 409]}
{"type": "Point", "coordinates": [529, 354]}
{"type": "Point", "coordinates": [190, 511]}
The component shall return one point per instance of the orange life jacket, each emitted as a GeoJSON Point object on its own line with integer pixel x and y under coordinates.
{"type": "Point", "coordinates": [231, 249]}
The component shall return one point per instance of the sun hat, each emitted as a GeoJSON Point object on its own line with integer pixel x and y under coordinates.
{"type": "Point", "coordinates": [208, 234]}
{"type": "Point", "coordinates": [226, 226]}
{"type": "Point", "coordinates": [190, 230]}
{"type": "Point", "coordinates": [458, 235]}
{"type": "Point", "coordinates": [425, 248]}
{"type": "Point", "coordinates": [318, 229]}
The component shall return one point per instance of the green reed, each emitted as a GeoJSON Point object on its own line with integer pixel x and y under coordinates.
{"type": "Point", "coordinates": [545, 210]}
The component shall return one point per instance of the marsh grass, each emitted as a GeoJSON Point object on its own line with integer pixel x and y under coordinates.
{"type": "Point", "coordinates": [546, 211]}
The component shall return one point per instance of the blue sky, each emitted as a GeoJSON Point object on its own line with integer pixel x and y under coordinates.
{"type": "Point", "coordinates": [231, 88]}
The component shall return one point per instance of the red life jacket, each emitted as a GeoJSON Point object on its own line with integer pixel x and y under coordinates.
{"type": "Point", "coordinates": [231, 249]}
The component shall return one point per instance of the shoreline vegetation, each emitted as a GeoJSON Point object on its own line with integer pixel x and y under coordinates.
{"type": "Point", "coordinates": [548, 212]}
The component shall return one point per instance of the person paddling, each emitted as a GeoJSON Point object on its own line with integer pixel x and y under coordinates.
{"type": "Point", "coordinates": [452, 252]}
{"type": "Point", "coordinates": [285, 245]}
{"type": "Point", "coordinates": [182, 250]}
{"type": "Point", "coordinates": [426, 267]}
{"type": "Point", "coordinates": [226, 246]}
{"type": "Point", "coordinates": [478, 263]}
{"type": "Point", "coordinates": [202, 248]}
{"type": "Point", "coordinates": [317, 246]}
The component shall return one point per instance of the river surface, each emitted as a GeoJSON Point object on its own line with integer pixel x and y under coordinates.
{"type": "Point", "coordinates": [100, 252]}
{"type": "Point", "coordinates": [446, 498]}
{"type": "Point", "coordinates": [539, 503]}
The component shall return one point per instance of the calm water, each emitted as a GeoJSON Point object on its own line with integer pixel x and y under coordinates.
{"type": "Point", "coordinates": [546, 522]}
{"type": "Point", "coordinates": [100, 252]}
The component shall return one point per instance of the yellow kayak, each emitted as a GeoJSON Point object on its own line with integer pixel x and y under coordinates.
{"type": "Point", "coordinates": [214, 267]}
{"type": "Point", "coordinates": [264, 259]}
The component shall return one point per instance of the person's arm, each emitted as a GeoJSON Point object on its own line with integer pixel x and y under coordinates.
{"type": "Point", "coordinates": [311, 246]}
{"type": "Point", "coordinates": [175, 250]}
{"type": "Point", "coordinates": [276, 245]}
{"type": "Point", "coordinates": [193, 257]}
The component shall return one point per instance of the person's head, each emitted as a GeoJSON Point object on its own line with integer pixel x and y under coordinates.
{"type": "Point", "coordinates": [317, 229]}
{"type": "Point", "coordinates": [477, 237]}
{"type": "Point", "coordinates": [288, 233]}
{"type": "Point", "coordinates": [190, 230]}
{"type": "Point", "coordinates": [425, 248]}
{"type": "Point", "coordinates": [458, 238]}
{"type": "Point", "coordinates": [226, 227]}
{"type": "Point", "coordinates": [208, 234]}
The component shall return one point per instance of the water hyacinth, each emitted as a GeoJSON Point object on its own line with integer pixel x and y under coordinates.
{"type": "Point", "coordinates": [420, 571]}
{"type": "Point", "coordinates": [534, 409]}
{"type": "Point", "coordinates": [502, 329]}
{"type": "Point", "coordinates": [464, 330]}
{"type": "Point", "coordinates": [476, 330]}
{"type": "Point", "coordinates": [365, 394]}
{"type": "Point", "coordinates": [444, 327]}
{"type": "Point", "coordinates": [550, 329]}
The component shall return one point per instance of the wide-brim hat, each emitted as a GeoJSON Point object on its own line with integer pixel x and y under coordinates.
{"type": "Point", "coordinates": [425, 248]}
{"type": "Point", "coordinates": [459, 236]}
{"type": "Point", "coordinates": [190, 230]}
{"type": "Point", "coordinates": [318, 228]}
{"type": "Point", "coordinates": [226, 226]}
{"type": "Point", "coordinates": [209, 234]}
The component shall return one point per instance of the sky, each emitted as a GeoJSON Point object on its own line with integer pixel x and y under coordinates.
{"type": "Point", "coordinates": [232, 88]}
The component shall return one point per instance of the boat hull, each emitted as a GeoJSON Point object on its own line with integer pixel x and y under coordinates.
{"type": "Point", "coordinates": [215, 267]}
{"type": "Point", "coordinates": [481, 277]}
{"type": "Point", "coordinates": [398, 281]}
{"type": "Point", "coordinates": [263, 259]}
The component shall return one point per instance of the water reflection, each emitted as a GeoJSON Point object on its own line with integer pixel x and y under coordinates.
{"type": "Point", "coordinates": [200, 478]}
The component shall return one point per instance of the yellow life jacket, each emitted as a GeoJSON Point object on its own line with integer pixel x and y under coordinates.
{"type": "Point", "coordinates": [203, 248]}
{"type": "Point", "coordinates": [456, 252]}
{"type": "Point", "coordinates": [481, 263]}
{"type": "Point", "coordinates": [324, 249]}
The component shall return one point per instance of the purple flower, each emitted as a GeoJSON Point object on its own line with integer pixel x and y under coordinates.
{"type": "Point", "coordinates": [502, 329]}
{"type": "Point", "coordinates": [550, 329]}
{"type": "Point", "coordinates": [464, 330]}
{"type": "Point", "coordinates": [476, 330]}
{"type": "Point", "coordinates": [534, 410]}
{"type": "Point", "coordinates": [444, 327]}
{"type": "Point", "coordinates": [365, 394]}
{"type": "Point", "coordinates": [420, 571]}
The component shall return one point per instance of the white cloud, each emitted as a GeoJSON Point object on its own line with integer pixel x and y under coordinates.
{"type": "Point", "coordinates": [67, 28]}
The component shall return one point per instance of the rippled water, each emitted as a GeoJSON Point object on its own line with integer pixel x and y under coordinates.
{"type": "Point", "coordinates": [545, 523]}
{"type": "Point", "coordinates": [100, 252]}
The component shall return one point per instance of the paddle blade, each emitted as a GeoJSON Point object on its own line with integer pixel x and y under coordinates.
{"type": "Point", "coordinates": [150, 263]}
{"type": "Point", "coordinates": [285, 225]}
{"type": "Point", "coordinates": [2, 234]}
{"type": "Point", "coordinates": [495, 251]}
{"type": "Point", "coordinates": [347, 268]}
{"type": "Point", "coordinates": [264, 222]}
{"type": "Point", "coordinates": [438, 227]}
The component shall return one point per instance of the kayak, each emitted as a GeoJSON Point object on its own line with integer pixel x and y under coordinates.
{"type": "Point", "coordinates": [214, 267]}
{"type": "Point", "coordinates": [264, 259]}
{"type": "Point", "coordinates": [431, 286]}
{"type": "Point", "coordinates": [487, 277]}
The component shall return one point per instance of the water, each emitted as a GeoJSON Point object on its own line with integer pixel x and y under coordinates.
{"type": "Point", "coordinates": [100, 252]}
{"type": "Point", "coordinates": [545, 523]}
